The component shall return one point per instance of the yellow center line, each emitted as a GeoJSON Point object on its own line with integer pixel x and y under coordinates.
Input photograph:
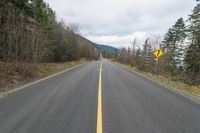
{"type": "Point", "coordinates": [99, 110]}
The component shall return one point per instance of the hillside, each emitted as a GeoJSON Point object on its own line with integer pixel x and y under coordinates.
{"type": "Point", "coordinates": [105, 48]}
{"type": "Point", "coordinates": [101, 48]}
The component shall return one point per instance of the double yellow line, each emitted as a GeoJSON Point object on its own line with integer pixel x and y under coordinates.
{"type": "Point", "coordinates": [99, 109]}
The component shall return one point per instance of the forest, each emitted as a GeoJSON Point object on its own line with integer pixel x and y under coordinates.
{"type": "Point", "coordinates": [29, 32]}
{"type": "Point", "coordinates": [181, 46]}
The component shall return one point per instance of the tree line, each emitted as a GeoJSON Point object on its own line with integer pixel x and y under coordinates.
{"type": "Point", "coordinates": [181, 46]}
{"type": "Point", "coordinates": [29, 32]}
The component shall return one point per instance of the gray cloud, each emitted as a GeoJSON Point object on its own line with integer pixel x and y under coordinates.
{"type": "Point", "coordinates": [116, 22]}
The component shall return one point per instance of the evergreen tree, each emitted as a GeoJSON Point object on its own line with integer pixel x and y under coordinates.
{"type": "Point", "coordinates": [147, 56]}
{"type": "Point", "coordinates": [23, 5]}
{"type": "Point", "coordinates": [192, 59]}
{"type": "Point", "coordinates": [43, 13]}
{"type": "Point", "coordinates": [179, 39]}
{"type": "Point", "coordinates": [174, 46]}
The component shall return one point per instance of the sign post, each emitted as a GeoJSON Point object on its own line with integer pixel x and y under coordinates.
{"type": "Point", "coordinates": [156, 65]}
{"type": "Point", "coordinates": [158, 53]}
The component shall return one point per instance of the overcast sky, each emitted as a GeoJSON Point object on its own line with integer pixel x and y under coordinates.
{"type": "Point", "coordinates": [118, 22]}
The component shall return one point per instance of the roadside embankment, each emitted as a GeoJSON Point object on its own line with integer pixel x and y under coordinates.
{"type": "Point", "coordinates": [16, 74]}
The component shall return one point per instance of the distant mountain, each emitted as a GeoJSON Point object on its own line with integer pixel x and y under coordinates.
{"type": "Point", "coordinates": [105, 48]}
{"type": "Point", "coordinates": [102, 48]}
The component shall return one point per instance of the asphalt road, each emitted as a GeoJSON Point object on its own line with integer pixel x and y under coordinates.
{"type": "Point", "coordinates": [67, 103]}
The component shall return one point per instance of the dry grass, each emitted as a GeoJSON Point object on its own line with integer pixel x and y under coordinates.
{"type": "Point", "coordinates": [194, 90]}
{"type": "Point", "coordinates": [15, 74]}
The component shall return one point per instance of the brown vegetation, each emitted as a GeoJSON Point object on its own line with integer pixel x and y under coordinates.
{"type": "Point", "coordinates": [21, 37]}
{"type": "Point", "coordinates": [15, 74]}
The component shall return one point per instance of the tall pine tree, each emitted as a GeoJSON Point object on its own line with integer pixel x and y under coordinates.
{"type": "Point", "coordinates": [173, 44]}
{"type": "Point", "coordinates": [192, 59]}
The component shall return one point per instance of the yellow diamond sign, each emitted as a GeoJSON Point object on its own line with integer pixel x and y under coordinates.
{"type": "Point", "coordinates": [158, 53]}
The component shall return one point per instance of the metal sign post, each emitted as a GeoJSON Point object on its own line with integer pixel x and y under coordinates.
{"type": "Point", "coordinates": [156, 65]}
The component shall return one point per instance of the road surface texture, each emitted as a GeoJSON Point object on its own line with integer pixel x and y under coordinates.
{"type": "Point", "coordinates": [67, 103]}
